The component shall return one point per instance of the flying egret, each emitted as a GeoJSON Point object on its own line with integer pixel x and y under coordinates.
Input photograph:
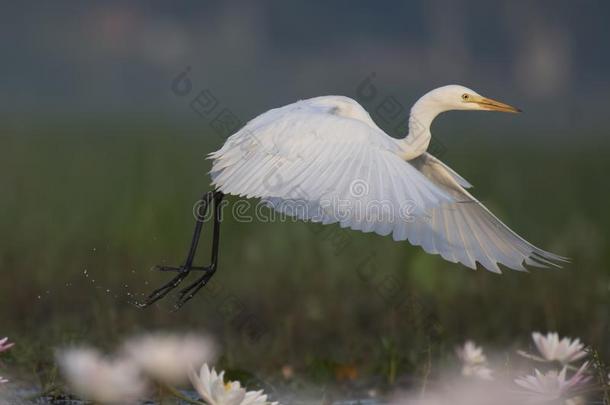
{"type": "Point", "coordinates": [307, 158]}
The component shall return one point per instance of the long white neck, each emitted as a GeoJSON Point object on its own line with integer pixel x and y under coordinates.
{"type": "Point", "coordinates": [422, 114]}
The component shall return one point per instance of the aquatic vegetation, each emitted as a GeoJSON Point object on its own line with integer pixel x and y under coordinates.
{"type": "Point", "coordinates": [149, 367]}
{"type": "Point", "coordinates": [150, 364]}
{"type": "Point", "coordinates": [567, 385]}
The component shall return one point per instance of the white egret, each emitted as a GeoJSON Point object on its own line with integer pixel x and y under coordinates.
{"type": "Point", "coordinates": [325, 160]}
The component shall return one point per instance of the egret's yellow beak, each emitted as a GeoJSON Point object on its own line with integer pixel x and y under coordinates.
{"type": "Point", "coordinates": [493, 105]}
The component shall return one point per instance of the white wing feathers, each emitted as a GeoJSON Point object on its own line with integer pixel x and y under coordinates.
{"type": "Point", "coordinates": [325, 160]}
{"type": "Point", "coordinates": [459, 179]}
{"type": "Point", "coordinates": [316, 156]}
{"type": "Point", "coordinates": [467, 232]}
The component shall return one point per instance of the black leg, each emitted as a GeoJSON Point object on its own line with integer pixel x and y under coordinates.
{"type": "Point", "coordinates": [183, 270]}
{"type": "Point", "coordinates": [189, 292]}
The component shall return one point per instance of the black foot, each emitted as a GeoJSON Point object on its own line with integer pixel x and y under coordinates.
{"type": "Point", "coordinates": [162, 291]}
{"type": "Point", "coordinates": [183, 271]}
{"type": "Point", "coordinates": [189, 292]}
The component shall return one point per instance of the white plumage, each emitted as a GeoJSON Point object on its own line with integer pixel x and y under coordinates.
{"type": "Point", "coordinates": [325, 160]}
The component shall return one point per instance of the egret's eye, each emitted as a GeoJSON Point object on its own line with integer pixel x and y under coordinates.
{"type": "Point", "coordinates": [465, 97]}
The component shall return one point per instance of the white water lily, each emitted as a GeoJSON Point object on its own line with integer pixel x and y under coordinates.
{"type": "Point", "coordinates": [552, 385]}
{"type": "Point", "coordinates": [168, 358]}
{"type": "Point", "coordinates": [102, 380]}
{"type": "Point", "coordinates": [474, 361]}
{"type": "Point", "coordinates": [552, 348]}
{"type": "Point", "coordinates": [214, 391]}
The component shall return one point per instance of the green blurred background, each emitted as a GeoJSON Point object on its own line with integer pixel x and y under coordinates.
{"type": "Point", "coordinates": [102, 161]}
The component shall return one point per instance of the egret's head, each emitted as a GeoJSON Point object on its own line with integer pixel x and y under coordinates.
{"type": "Point", "coordinates": [456, 97]}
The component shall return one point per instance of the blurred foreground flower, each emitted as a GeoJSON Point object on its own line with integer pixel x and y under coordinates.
{"type": "Point", "coordinates": [168, 358]}
{"type": "Point", "coordinates": [96, 378]}
{"type": "Point", "coordinates": [214, 391]}
{"type": "Point", "coordinates": [552, 348]}
{"type": "Point", "coordinates": [4, 345]}
{"type": "Point", "coordinates": [552, 385]}
{"type": "Point", "coordinates": [474, 361]}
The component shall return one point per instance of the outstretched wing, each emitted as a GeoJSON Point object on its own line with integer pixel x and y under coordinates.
{"type": "Point", "coordinates": [324, 160]}
{"type": "Point", "coordinates": [466, 231]}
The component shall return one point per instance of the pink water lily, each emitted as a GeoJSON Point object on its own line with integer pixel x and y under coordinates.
{"type": "Point", "coordinates": [552, 385]}
{"type": "Point", "coordinates": [4, 345]}
{"type": "Point", "coordinates": [564, 350]}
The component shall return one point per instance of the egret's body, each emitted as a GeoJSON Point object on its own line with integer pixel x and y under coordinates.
{"type": "Point", "coordinates": [301, 154]}
{"type": "Point", "coordinates": [307, 158]}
